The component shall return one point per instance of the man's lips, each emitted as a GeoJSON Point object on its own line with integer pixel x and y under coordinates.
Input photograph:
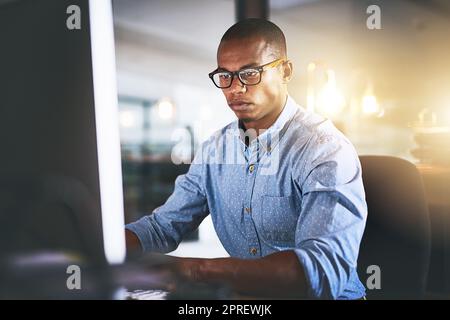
{"type": "Point", "coordinates": [239, 105]}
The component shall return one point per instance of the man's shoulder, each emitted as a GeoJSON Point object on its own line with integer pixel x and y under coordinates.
{"type": "Point", "coordinates": [318, 145]}
{"type": "Point", "coordinates": [315, 138]}
{"type": "Point", "coordinates": [311, 127]}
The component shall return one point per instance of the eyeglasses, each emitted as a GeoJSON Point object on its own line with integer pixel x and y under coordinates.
{"type": "Point", "coordinates": [248, 76]}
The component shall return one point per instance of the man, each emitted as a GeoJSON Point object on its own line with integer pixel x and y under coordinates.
{"type": "Point", "coordinates": [292, 213]}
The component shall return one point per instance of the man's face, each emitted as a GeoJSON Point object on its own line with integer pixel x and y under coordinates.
{"type": "Point", "coordinates": [257, 103]}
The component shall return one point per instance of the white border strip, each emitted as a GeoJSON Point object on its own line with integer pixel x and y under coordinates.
{"type": "Point", "coordinates": [107, 126]}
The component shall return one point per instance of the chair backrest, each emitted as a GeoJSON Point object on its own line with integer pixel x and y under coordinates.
{"type": "Point", "coordinates": [397, 234]}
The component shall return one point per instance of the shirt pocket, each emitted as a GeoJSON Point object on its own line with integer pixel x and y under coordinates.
{"type": "Point", "coordinates": [279, 218]}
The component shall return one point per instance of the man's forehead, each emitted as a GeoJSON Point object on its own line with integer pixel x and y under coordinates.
{"type": "Point", "coordinates": [242, 52]}
{"type": "Point", "coordinates": [251, 44]}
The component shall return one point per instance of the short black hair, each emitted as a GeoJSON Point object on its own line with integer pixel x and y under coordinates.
{"type": "Point", "coordinates": [258, 28]}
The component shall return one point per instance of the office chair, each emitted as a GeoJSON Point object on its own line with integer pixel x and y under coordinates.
{"type": "Point", "coordinates": [397, 234]}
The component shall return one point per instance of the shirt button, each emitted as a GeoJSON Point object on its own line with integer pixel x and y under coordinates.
{"type": "Point", "coordinates": [248, 210]}
{"type": "Point", "coordinates": [253, 251]}
{"type": "Point", "coordinates": [251, 168]}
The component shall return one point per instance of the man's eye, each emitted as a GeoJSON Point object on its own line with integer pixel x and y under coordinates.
{"type": "Point", "coordinates": [249, 73]}
{"type": "Point", "coordinates": [224, 76]}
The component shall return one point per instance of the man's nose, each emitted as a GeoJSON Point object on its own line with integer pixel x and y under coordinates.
{"type": "Point", "coordinates": [237, 86]}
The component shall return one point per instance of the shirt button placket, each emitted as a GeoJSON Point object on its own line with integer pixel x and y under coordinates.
{"type": "Point", "coordinates": [253, 244]}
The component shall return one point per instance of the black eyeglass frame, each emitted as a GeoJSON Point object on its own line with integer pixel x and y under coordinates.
{"type": "Point", "coordinates": [260, 69]}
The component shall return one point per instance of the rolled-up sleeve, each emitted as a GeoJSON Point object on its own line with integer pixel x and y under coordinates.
{"type": "Point", "coordinates": [332, 218]}
{"type": "Point", "coordinates": [184, 210]}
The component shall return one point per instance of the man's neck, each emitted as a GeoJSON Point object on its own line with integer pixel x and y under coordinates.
{"type": "Point", "coordinates": [264, 123]}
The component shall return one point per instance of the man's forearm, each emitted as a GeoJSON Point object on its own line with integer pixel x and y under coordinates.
{"type": "Point", "coordinates": [133, 243]}
{"type": "Point", "coordinates": [277, 275]}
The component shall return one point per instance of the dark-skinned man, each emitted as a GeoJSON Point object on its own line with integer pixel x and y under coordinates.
{"type": "Point", "coordinates": [283, 185]}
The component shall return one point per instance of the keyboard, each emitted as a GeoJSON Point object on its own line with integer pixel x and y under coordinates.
{"type": "Point", "coordinates": [146, 295]}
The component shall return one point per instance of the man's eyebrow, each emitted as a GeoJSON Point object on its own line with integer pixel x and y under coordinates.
{"type": "Point", "coordinates": [250, 65]}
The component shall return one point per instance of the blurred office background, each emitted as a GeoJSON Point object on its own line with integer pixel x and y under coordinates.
{"type": "Point", "coordinates": [388, 90]}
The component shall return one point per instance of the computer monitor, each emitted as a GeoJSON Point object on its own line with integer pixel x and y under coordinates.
{"type": "Point", "coordinates": [60, 166]}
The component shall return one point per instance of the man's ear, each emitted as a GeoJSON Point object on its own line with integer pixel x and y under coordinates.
{"type": "Point", "coordinates": [287, 71]}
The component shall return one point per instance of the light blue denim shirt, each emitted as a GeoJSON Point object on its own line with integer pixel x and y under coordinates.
{"type": "Point", "coordinates": [297, 187]}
